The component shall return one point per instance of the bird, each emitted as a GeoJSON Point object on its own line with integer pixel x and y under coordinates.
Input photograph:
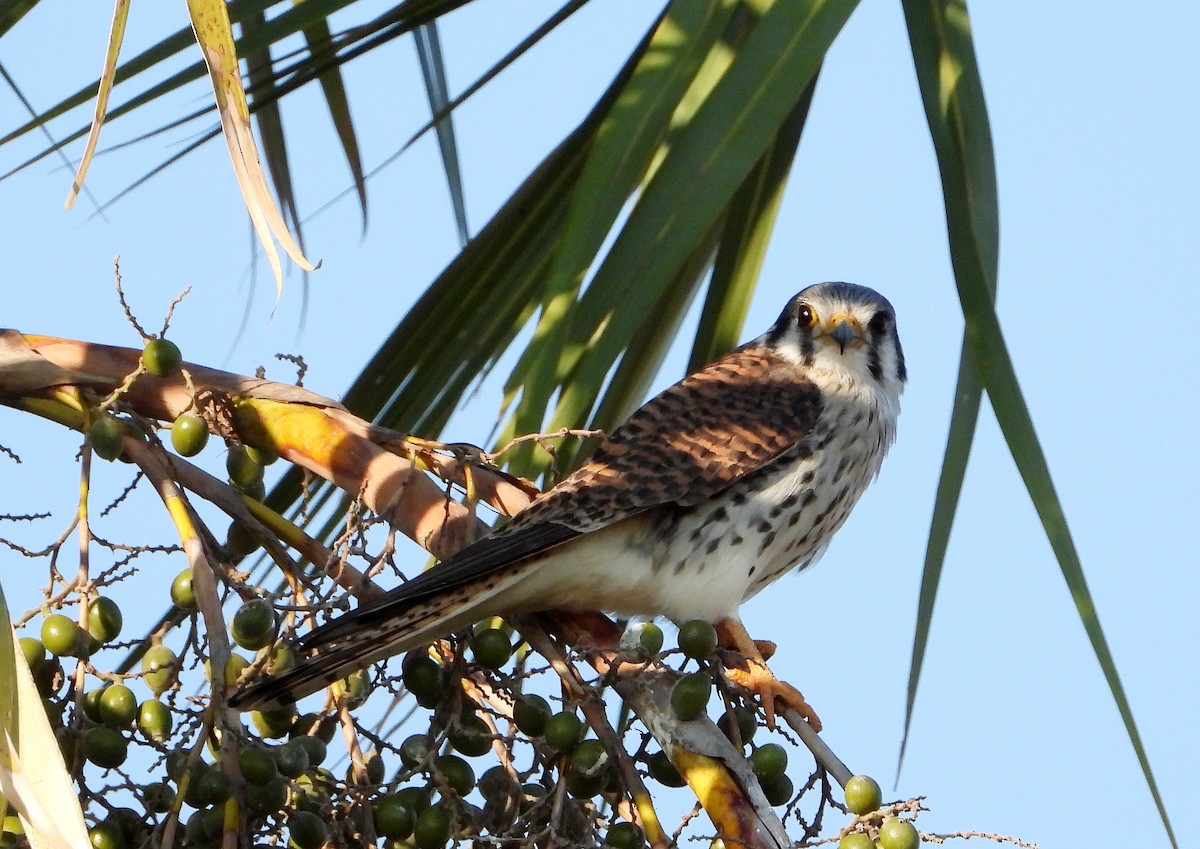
{"type": "Point", "coordinates": [702, 498]}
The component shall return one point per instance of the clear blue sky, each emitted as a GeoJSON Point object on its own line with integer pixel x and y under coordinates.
{"type": "Point", "coordinates": [1096, 134]}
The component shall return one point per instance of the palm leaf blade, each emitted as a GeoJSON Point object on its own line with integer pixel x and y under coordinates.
{"type": "Point", "coordinates": [939, 31]}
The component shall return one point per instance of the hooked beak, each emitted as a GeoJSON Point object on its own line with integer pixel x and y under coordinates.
{"type": "Point", "coordinates": [843, 330]}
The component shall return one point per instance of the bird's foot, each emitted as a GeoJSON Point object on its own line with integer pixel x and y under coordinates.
{"type": "Point", "coordinates": [758, 678]}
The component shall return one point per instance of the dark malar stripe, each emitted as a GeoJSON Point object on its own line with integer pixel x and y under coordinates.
{"type": "Point", "coordinates": [807, 349]}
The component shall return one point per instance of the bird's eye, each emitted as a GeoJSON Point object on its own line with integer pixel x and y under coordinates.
{"type": "Point", "coordinates": [879, 323]}
{"type": "Point", "coordinates": [805, 317]}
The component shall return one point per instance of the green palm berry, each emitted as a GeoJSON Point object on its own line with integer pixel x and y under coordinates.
{"type": "Point", "coordinates": [313, 746]}
{"type": "Point", "coordinates": [393, 818]}
{"type": "Point", "coordinates": [161, 357]}
{"type": "Point", "coordinates": [563, 731]}
{"type": "Point", "coordinates": [650, 636]}
{"type": "Point", "coordinates": [432, 828]}
{"type": "Point", "coordinates": [697, 638]}
{"type": "Point", "coordinates": [530, 714]}
{"type": "Point", "coordinates": [355, 689]}
{"type": "Point", "coordinates": [456, 773]}
{"type": "Point", "coordinates": [323, 781]}
{"type": "Point", "coordinates": [491, 647]}
{"type": "Point", "coordinates": [496, 785]}
{"type": "Point", "coordinates": [283, 658]}
{"type": "Point", "coordinates": [158, 797]}
{"type": "Point", "coordinates": [273, 723]}
{"type": "Point", "coordinates": [305, 795]}
{"type": "Point", "coordinates": [235, 665]}
{"type": "Point", "coordinates": [204, 828]}
{"type": "Point", "coordinates": [266, 798]}
{"type": "Point", "coordinates": [316, 724]}
{"type": "Point", "coordinates": [118, 706]}
{"type": "Point", "coordinates": [106, 835]}
{"type": "Point", "coordinates": [373, 762]}
{"type": "Point", "coordinates": [769, 762]}
{"type": "Point", "coordinates": [856, 840]}
{"type": "Point", "coordinates": [104, 620]}
{"type": "Point", "coordinates": [34, 652]}
{"type": "Point", "coordinates": [240, 541]}
{"type": "Point", "coordinates": [183, 594]}
{"type": "Point", "coordinates": [530, 795]}
{"type": "Point", "coordinates": [582, 786]}
{"type": "Point", "coordinates": [104, 746]}
{"type": "Point", "coordinates": [91, 703]}
{"type": "Point", "coordinates": [212, 787]}
{"type": "Point", "coordinates": [471, 736]}
{"type": "Point", "coordinates": [779, 791]}
{"type": "Point", "coordinates": [321, 778]}
{"type": "Point", "coordinates": [154, 720]}
{"type": "Point", "coordinates": [642, 640]}
{"type": "Point", "coordinates": [739, 725]}
{"type": "Point", "coordinates": [307, 830]}
{"type": "Point", "coordinates": [425, 678]}
{"type": "Point", "coordinates": [663, 771]}
{"type": "Point", "coordinates": [625, 835]}
{"type": "Point", "coordinates": [417, 798]}
{"type": "Point", "coordinates": [160, 667]}
{"type": "Point", "coordinates": [414, 750]}
{"type": "Point", "coordinates": [61, 635]}
{"type": "Point", "coordinates": [189, 434]}
{"type": "Point", "coordinates": [896, 833]}
{"type": "Point", "coordinates": [689, 696]}
{"type": "Point", "coordinates": [190, 787]}
{"type": "Point", "coordinates": [589, 758]}
{"type": "Point", "coordinates": [175, 764]}
{"type": "Point", "coordinates": [244, 473]}
{"type": "Point", "coordinates": [257, 766]}
{"type": "Point", "coordinates": [291, 759]}
{"type": "Point", "coordinates": [132, 826]}
{"type": "Point", "coordinates": [863, 794]}
{"type": "Point", "coordinates": [106, 435]}
{"type": "Point", "coordinates": [253, 625]}
{"type": "Point", "coordinates": [135, 432]}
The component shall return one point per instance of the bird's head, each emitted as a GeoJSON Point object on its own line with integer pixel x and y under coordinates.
{"type": "Point", "coordinates": [841, 332]}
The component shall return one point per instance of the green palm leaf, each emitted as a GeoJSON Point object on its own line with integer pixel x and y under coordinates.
{"type": "Point", "coordinates": [944, 55]}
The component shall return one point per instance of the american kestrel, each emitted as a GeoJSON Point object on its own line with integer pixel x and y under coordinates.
{"type": "Point", "coordinates": [707, 494]}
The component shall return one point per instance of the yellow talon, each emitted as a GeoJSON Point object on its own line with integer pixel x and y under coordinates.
{"type": "Point", "coordinates": [757, 676]}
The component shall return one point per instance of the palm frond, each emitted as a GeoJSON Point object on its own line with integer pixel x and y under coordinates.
{"type": "Point", "coordinates": [944, 55]}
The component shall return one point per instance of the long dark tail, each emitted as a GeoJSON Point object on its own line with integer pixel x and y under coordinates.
{"type": "Point", "coordinates": [395, 623]}
{"type": "Point", "coordinates": [310, 675]}
{"type": "Point", "coordinates": [349, 643]}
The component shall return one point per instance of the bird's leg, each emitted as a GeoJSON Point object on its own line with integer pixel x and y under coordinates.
{"type": "Point", "coordinates": [758, 678]}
